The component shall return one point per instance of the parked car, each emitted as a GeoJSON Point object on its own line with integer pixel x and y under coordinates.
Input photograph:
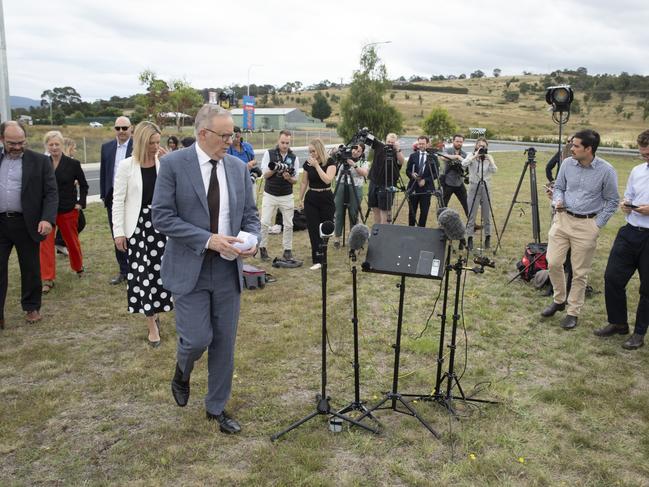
{"type": "Point", "coordinates": [96, 124]}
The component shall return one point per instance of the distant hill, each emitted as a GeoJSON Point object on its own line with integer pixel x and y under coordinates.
{"type": "Point", "coordinates": [23, 102]}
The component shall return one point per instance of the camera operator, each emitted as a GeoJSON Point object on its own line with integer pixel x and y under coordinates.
{"type": "Point", "coordinates": [242, 149]}
{"type": "Point", "coordinates": [453, 177]}
{"type": "Point", "coordinates": [383, 176]}
{"type": "Point", "coordinates": [278, 193]}
{"type": "Point", "coordinates": [420, 187]}
{"type": "Point", "coordinates": [358, 170]}
{"type": "Point", "coordinates": [481, 166]}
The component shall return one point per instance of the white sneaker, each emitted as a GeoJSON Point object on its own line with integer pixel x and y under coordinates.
{"type": "Point", "coordinates": [60, 249]}
{"type": "Point", "coordinates": [315, 267]}
{"type": "Point", "coordinates": [275, 229]}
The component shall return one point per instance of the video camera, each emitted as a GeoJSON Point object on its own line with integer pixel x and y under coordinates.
{"type": "Point", "coordinates": [531, 154]}
{"type": "Point", "coordinates": [255, 172]}
{"type": "Point", "coordinates": [281, 167]}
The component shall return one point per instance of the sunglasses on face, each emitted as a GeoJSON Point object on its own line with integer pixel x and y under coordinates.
{"type": "Point", "coordinates": [124, 129]}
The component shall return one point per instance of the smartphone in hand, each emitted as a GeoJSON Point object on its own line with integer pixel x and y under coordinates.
{"type": "Point", "coordinates": [630, 205]}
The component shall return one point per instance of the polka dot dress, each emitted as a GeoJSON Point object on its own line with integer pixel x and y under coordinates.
{"type": "Point", "coordinates": [145, 248]}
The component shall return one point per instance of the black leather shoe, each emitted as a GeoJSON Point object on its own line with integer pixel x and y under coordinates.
{"type": "Point", "coordinates": [611, 329]}
{"type": "Point", "coordinates": [180, 388]}
{"type": "Point", "coordinates": [227, 424]}
{"type": "Point", "coordinates": [487, 242]}
{"type": "Point", "coordinates": [552, 309]}
{"type": "Point", "coordinates": [469, 243]}
{"type": "Point", "coordinates": [2, 324]}
{"type": "Point", "coordinates": [117, 279]}
{"type": "Point", "coordinates": [569, 322]}
{"type": "Point", "coordinates": [633, 343]}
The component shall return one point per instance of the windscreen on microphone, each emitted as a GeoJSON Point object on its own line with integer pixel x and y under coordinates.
{"type": "Point", "coordinates": [358, 235]}
{"type": "Point", "coordinates": [451, 223]}
{"type": "Point", "coordinates": [440, 210]}
{"type": "Point", "coordinates": [327, 229]}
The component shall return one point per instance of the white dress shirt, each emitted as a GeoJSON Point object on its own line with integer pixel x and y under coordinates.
{"type": "Point", "coordinates": [224, 201]}
{"type": "Point", "coordinates": [637, 193]}
{"type": "Point", "coordinates": [120, 155]}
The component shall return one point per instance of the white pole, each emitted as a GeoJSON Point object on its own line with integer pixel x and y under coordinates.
{"type": "Point", "coordinates": [5, 103]}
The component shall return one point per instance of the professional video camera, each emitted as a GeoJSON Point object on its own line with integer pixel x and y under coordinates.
{"type": "Point", "coordinates": [280, 167]}
{"type": "Point", "coordinates": [482, 151]}
{"type": "Point", "coordinates": [363, 136]}
{"type": "Point", "coordinates": [531, 154]}
{"type": "Point", "coordinates": [342, 153]}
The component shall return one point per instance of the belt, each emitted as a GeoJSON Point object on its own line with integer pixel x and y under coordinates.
{"type": "Point", "coordinates": [576, 215]}
{"type": "Point", "coordinates": [10, 214]}
{"type": "Point", "coordinates": [639, 229]}
{"type": "Point", "coordinates": [319, 190]}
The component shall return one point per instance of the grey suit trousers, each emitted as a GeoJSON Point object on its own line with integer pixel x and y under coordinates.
{"type": "Point", "coordinates": [206, 319]}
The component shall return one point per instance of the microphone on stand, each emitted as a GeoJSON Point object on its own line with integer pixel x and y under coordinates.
{"type": "Point", "coordinates": [358, 236]}
{"type": "Point", "coordinates": [449, 220]}
{"type": "Point", "coordinates": [326, 230]}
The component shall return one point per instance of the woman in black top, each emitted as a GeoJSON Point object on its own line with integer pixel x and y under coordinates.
{"type": "Point", "coordinates": [68, 174]}
{"type": "Point", "coordinates": [318, 202]}
{"type": "Point", "coordinates": [134, 232]}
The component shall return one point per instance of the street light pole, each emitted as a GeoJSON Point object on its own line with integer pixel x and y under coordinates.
{"type": "Point", "coordinates": [249, 68]}
{"type": "Point", "coordinates": [5, 104]}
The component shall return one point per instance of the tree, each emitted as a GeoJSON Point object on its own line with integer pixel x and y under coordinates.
{"type": "Point", "coordinates": [511, 96]}
{"type": "Point", "coordinates": [184, 99]}
{"type": "Point", "coordinates": [157, 96]}
{"type": "Point", "coordinates": [320, 108]}
{"type": "Point", "coordinates": [439, 124]}
{"type": "Point", "coordinates": [497, 72]}
{"type": "Point", "coordinates": [64, 99]}
{"type": "Point", "coordinates": [477, 74]}
{"type": "Point", "coordinates": [364, 105]}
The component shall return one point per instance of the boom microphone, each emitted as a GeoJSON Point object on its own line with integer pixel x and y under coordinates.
{"type": "Point", "coordinates": [358, 235]}
{"type": "Point", "coordinates": [451, 223]}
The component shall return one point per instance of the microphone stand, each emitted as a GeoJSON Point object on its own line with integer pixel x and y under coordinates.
{"type": "Point", "coordinates": [356, 404]}
{"type": "Point", "coordinates": [323, 406]}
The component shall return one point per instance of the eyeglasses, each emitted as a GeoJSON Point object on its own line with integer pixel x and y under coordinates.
{"type": "Point", "coordinates": [224, 137]}
{"type": "Point", "coordinates": [123, 129]}
{"type": "Point", "coordinates": [15, 144]}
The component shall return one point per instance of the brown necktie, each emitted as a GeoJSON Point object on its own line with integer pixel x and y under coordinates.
{"type": "Point", "coordinates": [213, 198]}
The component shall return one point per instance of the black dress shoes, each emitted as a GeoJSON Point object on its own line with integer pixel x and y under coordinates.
{"type": "Point", "coordinates": [633, 343]}
{"type": "Point", "coordinates": [227, 424]}
{"type": "Point", "coordinates": [552, 309]}
{"type": "Point", "coordinates": [569, 322]}
{"type": "Point", "coordinates": [611, 329]}
{"type": "Point", "coordinates": [118, 279]}
{"type": "Point", "coordinates": [180, 388]}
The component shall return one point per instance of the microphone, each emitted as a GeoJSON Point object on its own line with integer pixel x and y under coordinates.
{"type": "Point", "coordinates": [451, 223]}
{"type": "Point", "coordinates": [326, 230]}
{"type": "Point", "coordinates": [358, 235]}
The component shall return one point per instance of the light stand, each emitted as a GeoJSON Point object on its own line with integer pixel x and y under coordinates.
{"type": "Point", "coordinates": [323, 406]}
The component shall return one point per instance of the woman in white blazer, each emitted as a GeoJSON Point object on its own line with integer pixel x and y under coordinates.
{"type": "Point", "coordinates": [134, 232]}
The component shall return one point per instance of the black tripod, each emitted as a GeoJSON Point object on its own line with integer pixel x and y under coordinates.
{"type": "Point", "coordinates": [356, 404]}
{"type": "Point", "coordinates": [437, 191]}
{"type": "Point", "coordinates": [346, 181]}
{"type": "Point", "coordinates": [483, 184]}
{"type": "Point", "coordinates": [450, 377]}
{"type": "Point", "coordinates": [534, 198]}
{"type": "Point", "coordinates": [323, 407]}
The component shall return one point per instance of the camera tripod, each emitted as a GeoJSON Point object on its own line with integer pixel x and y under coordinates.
{"type": "Point", "coordinates": [323, 406]}
{"type": "Point", "coordinates": [534, 198]}
{"type": "Point", "coordinates": [413, 190]}
{"type": "Point", "coordinates": [345, 181]}
{"type": "Point", "coordinates": [482, 185]}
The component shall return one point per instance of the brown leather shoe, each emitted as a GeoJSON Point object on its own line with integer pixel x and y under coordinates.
{"type": "Point", "coordinates": [569, 322]}
{"type": "Point", "coordinates": [611, 329]}
{"type": "Point", "coordinates": [633, 343]}
{"type": "Point", "coordinates": [33, 316]}
{"type": "Point", "coordinates": [552, 309]}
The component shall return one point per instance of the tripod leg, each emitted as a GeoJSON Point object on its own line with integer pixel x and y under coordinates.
{"type": "Point", "coordinates": [414, 412]}
{"type": "Point", "coordinates": [511, 207]}
{"type": "Point", "coordinates": [491, 211]}
{"type": "Point", "coordinates": [294, 425]}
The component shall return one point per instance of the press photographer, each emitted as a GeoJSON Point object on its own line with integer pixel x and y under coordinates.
{"type": "Point", "coordinates": [383, 176]}
{"type": "Point", "coordinates": [453, 179]}
{"type": "Point", "coordinates": [279, 167]}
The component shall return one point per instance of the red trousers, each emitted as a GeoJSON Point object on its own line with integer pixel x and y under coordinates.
{"type": "Point", "coordinates": [67, 223]}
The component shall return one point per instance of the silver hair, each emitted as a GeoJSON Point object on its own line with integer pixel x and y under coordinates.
{"type": "Point", "coordinates": [206, 114]}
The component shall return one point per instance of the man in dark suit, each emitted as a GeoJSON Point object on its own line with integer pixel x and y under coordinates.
{"type": "Point", "coordinates": [112, 152]}
{"type": "Point", "coordinates": [28, 204]}
{"type": "Point", "coordinates": [421, 173]}
{"type": "Point", "coordinates": [202, 199]}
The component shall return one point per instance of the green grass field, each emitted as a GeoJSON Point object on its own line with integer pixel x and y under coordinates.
{"type": "Point", "coordinates": [85, 401]}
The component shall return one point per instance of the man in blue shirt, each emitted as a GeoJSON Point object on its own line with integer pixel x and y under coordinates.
{"type": "Point", "coordinates": [241, 149]}
{"type": "Point", "coordinates": [630, 252]}
{"type": "Point", "coordinates": [585, 197]}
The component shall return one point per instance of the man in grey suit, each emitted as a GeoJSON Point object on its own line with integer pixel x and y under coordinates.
{"type": "Point", "coordinates": [202, 199]}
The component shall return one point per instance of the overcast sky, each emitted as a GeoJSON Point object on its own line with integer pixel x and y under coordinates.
{"type": "Point", "coordinates": [100, 47]}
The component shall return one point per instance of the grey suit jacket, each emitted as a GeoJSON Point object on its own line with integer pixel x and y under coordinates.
{"type": "Point", "coordinates": [180, 211]}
